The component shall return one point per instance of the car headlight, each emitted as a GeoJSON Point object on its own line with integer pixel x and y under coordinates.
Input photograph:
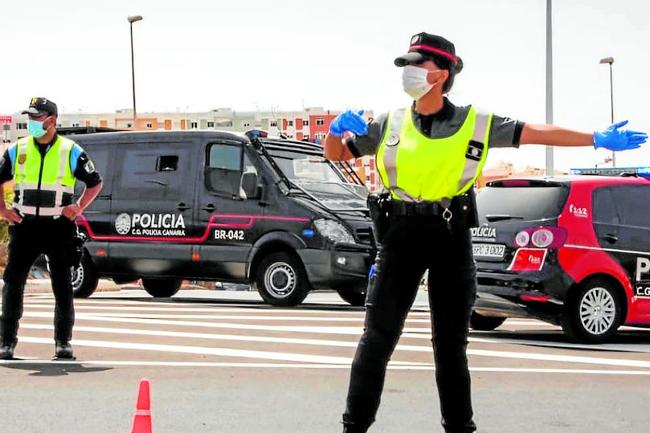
{"type": "Point", "coordinates": [334, 231]}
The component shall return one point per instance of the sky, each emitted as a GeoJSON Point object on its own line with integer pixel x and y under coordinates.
{"type": "Point", "coordinates": [288, 54]}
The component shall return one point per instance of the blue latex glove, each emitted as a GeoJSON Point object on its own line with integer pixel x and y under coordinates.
{"type": "Point", "coordinates": [349, 121]}
{"type": "Point", "coordinates": [372, 272]}
{"type": "Point", "coordinates": [614, 139]}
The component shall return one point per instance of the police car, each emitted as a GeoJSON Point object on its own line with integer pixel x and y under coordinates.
{"type": "Point", "coordinates": [208, 205]}
{"type": "Point", "coordinates": [572, 251]}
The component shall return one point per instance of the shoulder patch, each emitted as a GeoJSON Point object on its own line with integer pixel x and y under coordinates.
{"type": "Point", "coordinates": [89, 167]}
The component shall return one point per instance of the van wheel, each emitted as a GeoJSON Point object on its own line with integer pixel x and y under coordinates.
{"type": "Point", "coordinates": [161, 287]}
{"type": "Point", "coordinates": [479, 322]}
{"type": "Point", "coordinates": [84, 277]}
{"type": "Point", "coordinates": [356, 299]}
{"type": "Point", "coordinates": [281, 280]}
{"type": "Point", "coordinates": [593, 313]}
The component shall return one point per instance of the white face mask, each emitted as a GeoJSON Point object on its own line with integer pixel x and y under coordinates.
{"type": "Point", "coordinates": [415, 82]}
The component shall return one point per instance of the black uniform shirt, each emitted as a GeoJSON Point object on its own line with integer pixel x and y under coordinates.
{"type": "Point", "coordinates": [504, 132]}
{"type": "Point", "coordinates": [81, 165]}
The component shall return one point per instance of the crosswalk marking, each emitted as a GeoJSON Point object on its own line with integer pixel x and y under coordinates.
{"type": "Point", "coordinates": [194, 332]}
{"type": "Point", "coordinates": [217, 351]}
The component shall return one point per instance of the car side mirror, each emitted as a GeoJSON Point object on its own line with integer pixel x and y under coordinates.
{"type": "Point", "coordinates": [248, 186]}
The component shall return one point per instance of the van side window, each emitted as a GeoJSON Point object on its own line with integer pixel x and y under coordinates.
{"type": "Point", "coordinates": [167, 163]}
{"type": "Point", "coordinates": [223, 168]}
{"type": "Point", "coordinates": [225, 157]}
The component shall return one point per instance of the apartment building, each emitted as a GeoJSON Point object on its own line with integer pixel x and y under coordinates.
{"type": "Point", "coordinates": [310, 124]}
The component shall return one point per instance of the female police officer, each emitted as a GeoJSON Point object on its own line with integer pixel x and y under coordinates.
{"type": "Point", "coordinates": [429, 156]}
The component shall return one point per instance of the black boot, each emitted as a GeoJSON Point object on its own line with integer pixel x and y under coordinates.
{"type": "Point", "coordinates": [349, 427]}
{"type": "Point", "coordinates": [7, 351]}
{"type": "Point", "coordinates": [63, 351]}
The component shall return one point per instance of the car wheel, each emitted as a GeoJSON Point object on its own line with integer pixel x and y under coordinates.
{"type": "Point", "coordinates": [84, 277]}
{"type": "Point", "coordinates": [592, 313]}
{"type": "Point", "coordinates": [161, 287]}
{"type": "Point", "coordinates": [356, 299]}
{"type": "Point", "coordinates": [479, 322]}
{"type": "Point", "coordinates": [281, 280]}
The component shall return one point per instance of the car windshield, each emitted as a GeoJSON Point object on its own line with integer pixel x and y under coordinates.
{"type": "Point", "coordinates": [521, 202]}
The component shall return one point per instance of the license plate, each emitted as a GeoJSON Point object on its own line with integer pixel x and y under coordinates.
{"type": "Point", "coordinates": [489, 250]}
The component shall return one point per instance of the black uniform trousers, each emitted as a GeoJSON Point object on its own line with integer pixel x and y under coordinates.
{"type": "Point", "coordinates": [412, 245]}
{"type": "Point", "coordinates": [27, 240]}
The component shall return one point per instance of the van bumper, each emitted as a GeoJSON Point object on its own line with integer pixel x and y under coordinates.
{"type": "Point", "coordinates": [344, 267]}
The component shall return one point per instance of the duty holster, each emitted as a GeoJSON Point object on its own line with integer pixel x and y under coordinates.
{"type": "Point", "coordinates": [378, 204]}
{"type": "Point", "coordinates": [77, 248]}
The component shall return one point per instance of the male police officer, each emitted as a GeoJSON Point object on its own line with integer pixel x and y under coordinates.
{"type": "Point", "coordinates": [44, 167]}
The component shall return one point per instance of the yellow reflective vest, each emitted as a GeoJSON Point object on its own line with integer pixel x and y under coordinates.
{"type": "Point", "coordinates": [44, 185]}
{"type": "Point", "coordinates": [414, 167]}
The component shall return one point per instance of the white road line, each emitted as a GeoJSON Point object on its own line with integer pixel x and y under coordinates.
{"type": "Point", "coordinates": [256, 365]}
{"type": "Point", "coordinates": [216, 307]}
{"type": "Point", "coordinates": [409, 333]}
{"type": "Point", "coordinates": [220, 304]}
{"type": "Point", "coordinates": [471, 352]}
{"type": "Point", "coordinates": [342, 330]}
{"type": "Point", "coordinates": [276, 340]}
{"type": "Point", "coordinates": [215, 351]}
{"type": "Point", "coordinates": [206, 336]}
{"type": "Point", "coordinates": [560, 358]}
{"type": "Point", "coordinates": [607, 347]}
{"type": "Point", "coordinates": [197, 350]}
{"type": "Point", "coordinates": [528, 323]}
{"type": "Point", "coordinates": [142, 313]}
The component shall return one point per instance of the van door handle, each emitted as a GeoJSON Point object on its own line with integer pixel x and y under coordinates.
{"type": "Point", "coordinates": [209, 207]}
{"type": "Point", "coordinates": [182, 206]}
{"type": "Point", "coordinates": [156, 181]}
{"type": "Point", "coordinates": [611, 238]}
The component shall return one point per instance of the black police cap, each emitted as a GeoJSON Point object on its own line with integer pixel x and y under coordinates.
{"type": "Point", "coordinates": [39, 106]}
{"type": "Point", "coordinates": [426, 46]}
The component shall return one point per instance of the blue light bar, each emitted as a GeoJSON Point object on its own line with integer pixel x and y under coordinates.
{"type": "Point", "coordinates": [611, 171]}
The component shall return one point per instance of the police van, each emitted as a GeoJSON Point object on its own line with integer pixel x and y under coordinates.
{"type": "Point", "coordinates": [209, 205]}
{"type": "Point", "coordinates": [573, 251]}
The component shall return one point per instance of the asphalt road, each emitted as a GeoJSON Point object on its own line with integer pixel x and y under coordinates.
{"type": "Point", "coordinates": [224, 362]}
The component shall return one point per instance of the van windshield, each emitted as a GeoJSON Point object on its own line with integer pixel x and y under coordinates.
{"type": "Point", "coordinates": [302, 168]}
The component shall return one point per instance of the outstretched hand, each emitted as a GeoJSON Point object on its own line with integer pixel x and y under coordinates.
{"type": "Point", "coordinates": [616, 139]}
{"type": "Point", "coordinates": [349, 121]}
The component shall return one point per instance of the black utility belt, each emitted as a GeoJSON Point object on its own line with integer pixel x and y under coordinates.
{"type": "Point", "coordinates": [402, 208]}
{"type": "Point", "coordinates": [30, 217]}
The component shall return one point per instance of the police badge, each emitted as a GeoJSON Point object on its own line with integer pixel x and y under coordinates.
{"type": "Point", "coordinates": [393, 140]}
{"type": "Point", "coordinates": [22, 158]}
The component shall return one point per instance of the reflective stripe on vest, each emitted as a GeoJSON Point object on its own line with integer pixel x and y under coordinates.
{"type": "Point", "coordinates": [475, 153]}
{"type": "Point", "coordinates": [56, 177]}
{"type": "Point", "coordinates": [390, 156]}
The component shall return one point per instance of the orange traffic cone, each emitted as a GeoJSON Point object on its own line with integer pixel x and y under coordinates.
{"type": "Point", "coordinates": [142, 418]}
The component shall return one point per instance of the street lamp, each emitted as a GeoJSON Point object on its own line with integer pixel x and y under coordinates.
{"type": "Point", "coordinates": [550, 163]}
{"type": "Point", "coordinates": [132, 19]}
{"type": "Point", "coordinates": [610, 61]}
